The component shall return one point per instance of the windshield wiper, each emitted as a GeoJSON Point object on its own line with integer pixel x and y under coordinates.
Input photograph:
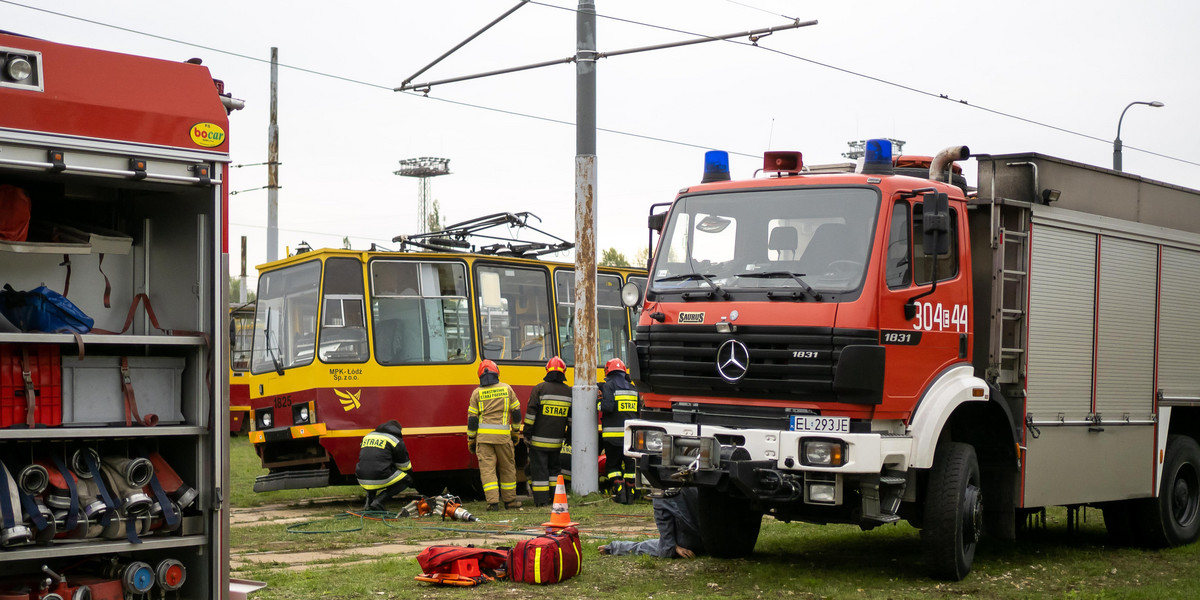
{"type": "Point", "coordinates": [686, 276]}
{"type": "Point", "coordinates": [272, 355]}
{"type": "Point", "coordinates": [797, 277]}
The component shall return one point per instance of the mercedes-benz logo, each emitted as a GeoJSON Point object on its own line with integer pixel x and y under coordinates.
{"type": "Point", "coordinates": [733, 359]}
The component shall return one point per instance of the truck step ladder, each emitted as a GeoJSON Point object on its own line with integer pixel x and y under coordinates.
{"type": "Point", "coordinates": [1011, 269]}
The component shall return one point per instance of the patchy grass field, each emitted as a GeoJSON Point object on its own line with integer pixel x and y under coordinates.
{"type": "Point", "coordinates": [306, 545]}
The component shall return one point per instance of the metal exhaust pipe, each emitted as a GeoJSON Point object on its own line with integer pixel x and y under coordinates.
{"type": "Point", "coordinates": [943, 160]}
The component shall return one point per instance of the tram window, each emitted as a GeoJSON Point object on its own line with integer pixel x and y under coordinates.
{"type": "Point", "coordinates": [612, 325]}
{"type": "Point", "coordinates": [285, 317]}
{"type": "Point", "coordinates": [514, 313]}
{"type": "Point", "coordinates": [420, 312]}
{"type": "Point", "coordinates": [343, 323]}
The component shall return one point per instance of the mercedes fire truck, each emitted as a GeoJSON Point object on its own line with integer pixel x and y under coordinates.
{"type": "Point", "coordinates": [880, 341]}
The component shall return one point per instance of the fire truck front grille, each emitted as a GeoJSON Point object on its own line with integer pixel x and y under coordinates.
{"type": "Point", "coordinates": [795, 363]}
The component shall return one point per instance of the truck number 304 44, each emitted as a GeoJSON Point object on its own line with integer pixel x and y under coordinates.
{"type": "Point", "coordinates": [939, 317]}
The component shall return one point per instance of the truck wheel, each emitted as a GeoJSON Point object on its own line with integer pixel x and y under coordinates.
{"type": "Point", "coordinates": [728, 526]}
{"type": "Point", "coordinates": [953, 511]}
{"type": "Point", "coordinates": [1173, 518]}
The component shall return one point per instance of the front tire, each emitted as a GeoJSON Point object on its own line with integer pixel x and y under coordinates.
{"type": "Point", "coordinates": [1173, 518]}
{"type": "Point", "coordinates": [953, 511]}
{"type": "Point", "coordinates": [728, 526]}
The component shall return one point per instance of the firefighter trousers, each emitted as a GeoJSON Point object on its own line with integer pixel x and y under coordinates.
{"type": "Point", "coordinates": [544, 467]}
{"type": "Point", "coordinates": [619, 468]}
{"type": "Point", "coordinates": [497, 472]}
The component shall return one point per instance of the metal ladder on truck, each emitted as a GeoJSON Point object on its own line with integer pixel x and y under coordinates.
{"type": "Point", "coordinates": [1010, 295]}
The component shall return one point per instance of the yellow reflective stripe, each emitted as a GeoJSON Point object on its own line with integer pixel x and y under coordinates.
{"type": "Point", "coordinates": [613, 434]}
{"type": "Point", "coordinates": [537, 560]}
{"type": "Point", "coordinates": [508, 486]}
{"type": "Point", "coordinates": [491, 485]}
{"type": "Point", "coordinates": [560, 567]}
{"type": "Point", "coordinates": [505, 429]}
{"type": "Point", "coordinates": [578, 559]}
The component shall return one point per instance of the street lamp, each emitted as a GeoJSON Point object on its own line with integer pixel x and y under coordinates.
{"type": "Point", "coordinates": [1117, 142]}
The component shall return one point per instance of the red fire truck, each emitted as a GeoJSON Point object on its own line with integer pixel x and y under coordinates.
{"type": "Point", "coordinates": [875, 342]}
{"type": "Point", "coordinates": [113, 449]}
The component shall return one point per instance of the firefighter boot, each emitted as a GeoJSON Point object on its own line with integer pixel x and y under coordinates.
{"type": "Point", "coordinates": [619, 494]}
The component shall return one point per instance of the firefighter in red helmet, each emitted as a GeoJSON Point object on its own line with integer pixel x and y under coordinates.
{"type": "Point", "coordinates": [547, 423]}
{"type": "Point", "coordinates": [618, 401]}
{"type": "Point", "coordinates": [493, 424]}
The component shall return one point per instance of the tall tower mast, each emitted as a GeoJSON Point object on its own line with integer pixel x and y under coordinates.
{"type": "Point", "coordinates": [423, 168]}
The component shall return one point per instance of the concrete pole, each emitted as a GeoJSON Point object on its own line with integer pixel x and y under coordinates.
{"type": "Point", "coordinates": [273, 164]}
{"type": "Point", "coordinates": [584, 440]}
{"type": "Point", "coordinates": [243, 293]}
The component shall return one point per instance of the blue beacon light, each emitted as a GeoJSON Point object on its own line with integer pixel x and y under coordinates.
{"type": "Point", "coordinates": [716, 166]}
{"type": "Point", "coordinates": [878, 160]}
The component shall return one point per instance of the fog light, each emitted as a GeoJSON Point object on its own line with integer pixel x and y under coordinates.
{"type": "Point", "coordinates": [823, 453]}
{"type": "Point", "coordinates": [825, 493]}
{"type": "Point", "coordinates": [265, 419]}
{"type": "Point", "coordinates": [631, 295]}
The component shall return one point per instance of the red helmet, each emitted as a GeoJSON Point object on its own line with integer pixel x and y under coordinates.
{"type": "Point", "coordinates": [556, 364]}
{"type": "Point", "coordinates": [488, 365]}
{"type": "Point", "coordinates": [614, 364]}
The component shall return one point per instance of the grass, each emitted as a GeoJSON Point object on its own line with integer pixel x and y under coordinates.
{"type": "Point", "coordinates": [791, 561]}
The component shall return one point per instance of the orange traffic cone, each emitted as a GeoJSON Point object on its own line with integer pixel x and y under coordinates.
{"type": "Point", "coordinates": [559, 516]}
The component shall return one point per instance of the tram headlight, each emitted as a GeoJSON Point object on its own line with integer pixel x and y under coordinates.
{"type": "Point", "coordinates": [301, 414]}
{"type": "Point", "coordinates": [264, 418]}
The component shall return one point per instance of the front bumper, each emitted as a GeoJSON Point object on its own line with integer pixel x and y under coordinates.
{"type": "Point", "coordinates": [766, 465]}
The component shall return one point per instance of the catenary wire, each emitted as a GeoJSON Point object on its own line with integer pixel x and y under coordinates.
{"type": "Point", "coordinates": [614, 131]}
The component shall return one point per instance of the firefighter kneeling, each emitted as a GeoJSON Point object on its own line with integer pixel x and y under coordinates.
{"type": "Point", "coordinates": [383, 465]}
{"type": "Point", "coordinates": [547, 423]}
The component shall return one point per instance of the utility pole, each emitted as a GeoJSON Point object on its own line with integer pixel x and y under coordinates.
{"type": "Point", "coordinates": [242, 282]}
{"type": "Point", "coordinates": [273, 164]}
{"type": "Point", "coordinates": [584, 448]}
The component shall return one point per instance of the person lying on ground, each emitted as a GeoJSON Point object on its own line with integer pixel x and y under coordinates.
{"type": "Point", "coordinates": [678, 535]}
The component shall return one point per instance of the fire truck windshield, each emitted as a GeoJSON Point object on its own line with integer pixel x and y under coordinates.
{"type": "Point", "coordinates": [817, 239]}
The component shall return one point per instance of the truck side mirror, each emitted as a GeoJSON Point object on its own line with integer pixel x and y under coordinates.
{"type": "Point", "coordinates": [656, 222]}
{"type": "Point", "coordinates": [935, 220]}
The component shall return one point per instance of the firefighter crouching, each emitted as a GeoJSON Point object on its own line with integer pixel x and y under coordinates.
{"type": "Point", "coordinates": [618, 402]}
{"type": "Point", "coordinates": [383, 468]}
{"type": "Point", "coordinates": [547, 422]}
{"type": "Point", "coordinates": [493, 421]}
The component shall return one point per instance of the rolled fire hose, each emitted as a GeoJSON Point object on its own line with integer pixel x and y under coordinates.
{"type": "Point", "coordinates": [125, 478]}
{"type": "Point", "coordinates": [12, 529]}
{"type": "Point", "coordinates": [78, 530]}
{"type": "Point", "coordinates": [172, 484]}
{"type": "Point", "coordinates": [159, 521]}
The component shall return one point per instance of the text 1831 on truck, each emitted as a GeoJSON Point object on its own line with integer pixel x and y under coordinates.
{"type": "Point", "coordinates": [864, 344]}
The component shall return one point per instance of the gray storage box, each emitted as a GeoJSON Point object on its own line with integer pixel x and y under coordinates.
{"type": "Point", "coordinates": [93, 394]}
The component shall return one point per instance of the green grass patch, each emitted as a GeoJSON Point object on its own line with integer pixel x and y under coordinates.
{"type": "Point", "coordinates": [791, 560]}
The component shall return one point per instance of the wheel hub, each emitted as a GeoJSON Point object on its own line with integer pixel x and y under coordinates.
{"type": "Point", "coordinates": [972, 514]}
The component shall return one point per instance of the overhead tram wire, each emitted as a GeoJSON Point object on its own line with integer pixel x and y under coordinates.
{"type": "Point", "coordinates": [868, 77]}
{"type": "Point", "coordinates": [612, 131]}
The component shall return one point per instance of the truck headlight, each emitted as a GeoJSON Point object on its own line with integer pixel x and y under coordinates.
{"type": "Point", "coordinates": [648, 440]}
{"type": "Point", "coordinates": [822, 453]}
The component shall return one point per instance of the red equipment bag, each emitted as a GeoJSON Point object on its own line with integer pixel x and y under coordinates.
{"type": "Point", "coordinates": [460, 565]}
{"type": "Point", "coordinates": [34, 400]}
{"type": "Point", "coordinates": [14, 214]}
{"type": "Point", "coordinates": [548, 558]}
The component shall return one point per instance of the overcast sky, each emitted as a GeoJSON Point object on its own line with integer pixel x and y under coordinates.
{"type": "Point", "coordinates": [868, 69]}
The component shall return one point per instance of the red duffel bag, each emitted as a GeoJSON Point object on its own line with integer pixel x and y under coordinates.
{"type": "Point", "coordinates": [548, 558]}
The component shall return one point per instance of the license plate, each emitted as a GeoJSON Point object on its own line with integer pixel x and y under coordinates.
{"type": "Point", "coordinates": [820, 424]}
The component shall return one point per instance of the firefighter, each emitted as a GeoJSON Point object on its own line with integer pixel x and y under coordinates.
{"type": "Point", "coordinates": [547, 426]}
{"type": "Point", "coordinates": [493, 426]}
{"type": "Point", "coordinates": [383, 468]}
{"type": "Point", "coordinates": [618, 402]}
